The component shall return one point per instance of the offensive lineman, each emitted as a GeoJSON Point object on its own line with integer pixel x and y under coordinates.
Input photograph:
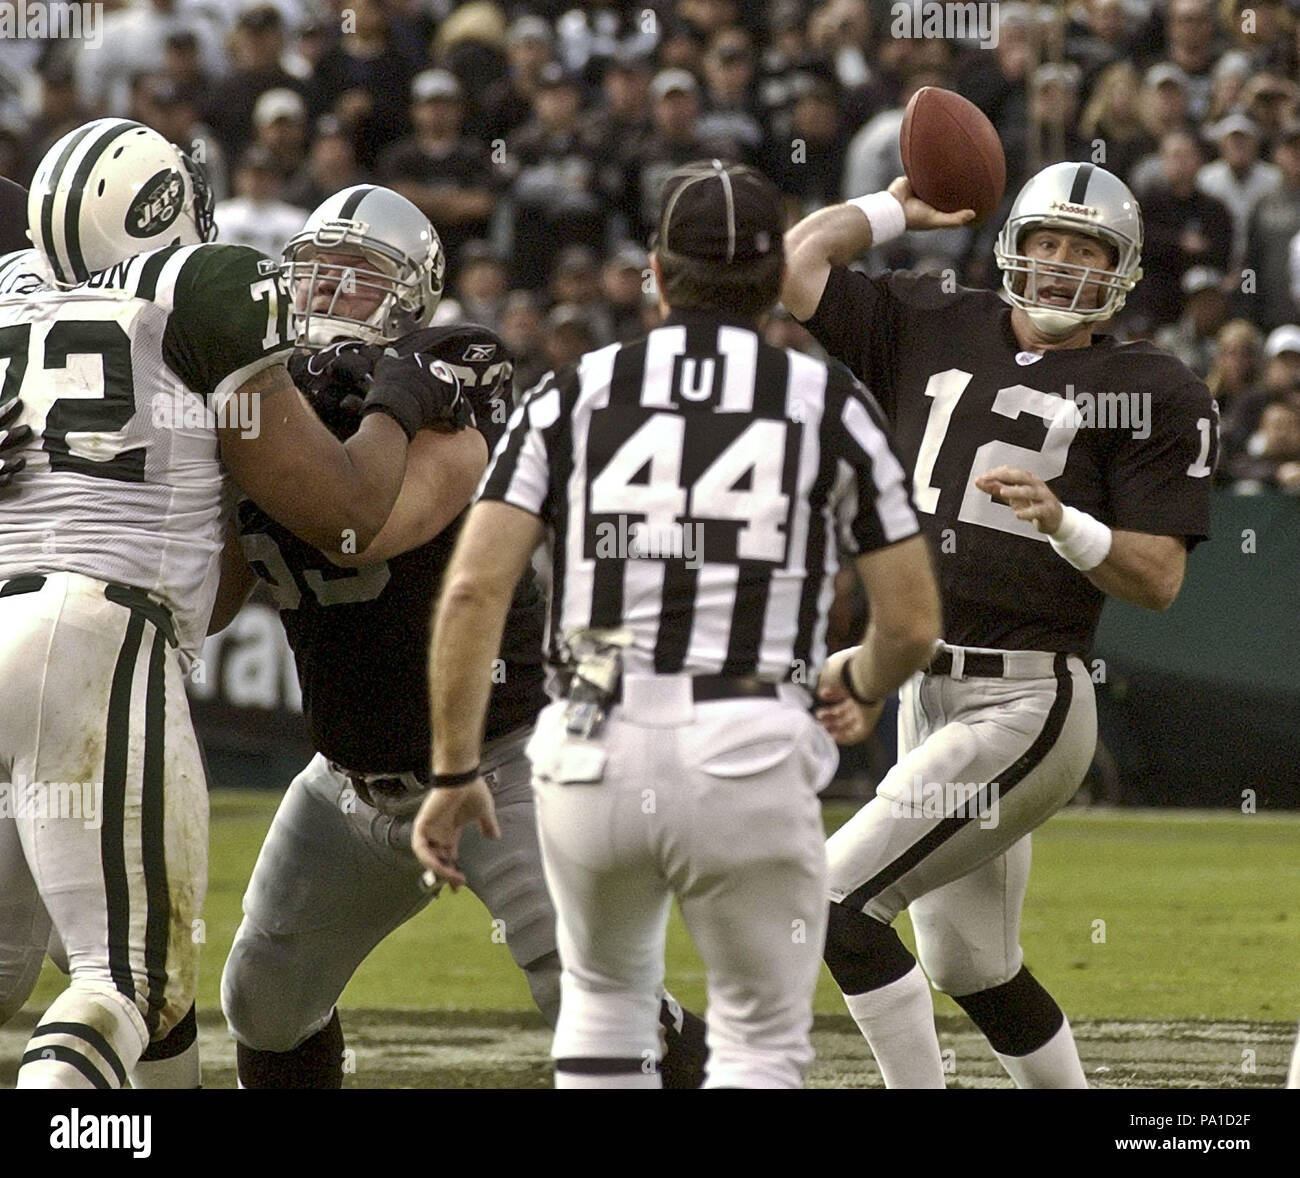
{"type": "Point", "coordinates": [336, 874]}
{"type": "Point", "coordinates": [1038, 507]}
{"type": "Point", "coordinates": [157, 359]}
{"type": "Point", "coordinates": [729, 466]}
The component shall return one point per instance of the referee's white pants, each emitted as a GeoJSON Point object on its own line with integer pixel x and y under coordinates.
{"type": "Point", "coordinates": [715, 803]}
{"type": "Point", "coordinates": [103, 823]}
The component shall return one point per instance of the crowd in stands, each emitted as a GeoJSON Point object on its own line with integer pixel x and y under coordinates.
{"type": "Point", "coordinates": [536, 137]}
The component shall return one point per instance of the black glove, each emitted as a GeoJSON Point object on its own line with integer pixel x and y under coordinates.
{"type": "Point", "coordinates": [11, 440]}
{"type": "Point", "coordinates": [418, 393]}
{"type": "Point", "coordinates": [335, 381]}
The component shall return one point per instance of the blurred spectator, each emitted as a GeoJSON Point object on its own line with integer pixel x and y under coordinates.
{"type": "Point", "coordinates": [1193, 338]}
{"type": "Point", "coordinates": [1263, 36]}
{"type": "Point", "coordinates": [1185, 227]}
{"type": "Point", "coordinates": [841, 30]}
{"type": "Point", "coordinates": [1193, 45]}
{"type": "Point", "coordinates": [997, 83]}
{"type": "Point", "coordinates": [132, 41]}
{"type": "Point", "coordinates": [508, 104]}
{"type": "Point", "coordinates": [623, 116]}
{"type": "Point", "coordinates": [521, 326]}
{"type": "Point", "coordinates": [1098, 36]}
{"type": "Point", "coordinates": [255, 215]}
{"type": "Point", "coordinates": [59, 112]}
{"type": "Point", "coordinates": [331, 166]}
{"type": "Point", "coordinates": [561, 179]}
{"type": "Point", "coordinates": [1228, 79]}
{"type": "Point", "coordinates": [808, 149]}
{"type": "Point", "coordinates": [280, 125]}
{"type": "Point", "coordinates": [1236, 366]}
{"type": "Point", "coordinates": [1054, 110]}
{"type": "Point", "coordinates": [171, 111]}
{"type": "Point", "coordinates": [257, 44]}
{"type": "Point", "coordinates": [729, 98]}
{"type": "Point", "coordinates": [481, 283]}
{"type": "Point", "coordinates": [1271, 460]}
{"type": "Point", "coordinates": [1272, 260]}
{"type": "Point", "coordinates": [1239, 178]}
{"type": "Point", "coordinates": [365, 79]}
{"type": "Point", "coordinates": [309, 45]}
{"type": "Point", "coordinates": [1280, 381]}
{"type": "Point", "coordinates": [1271, 102]}
{"type": "Point", "coordinates": [183, 65]}
{"type": "Point", "coordinates": [1111, 119]}
{"type": "Point", "coordinates": [622, 281]}
{"type": "Point", "coordinates": [568, 336]}
{"type": "Point", "coordinates": [470, 42]}
{"type": "Point", "coordinates": [1162, 107]}
{"type": "Point", "coordinates": [575, 282]}
{"type": "Point", "coordinates": [447, 176]}
{"type": "Point", "coordinates": [674, 141]}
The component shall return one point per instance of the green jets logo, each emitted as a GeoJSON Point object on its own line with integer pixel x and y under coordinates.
{"type": "Point", "coordinates": [156, 205]}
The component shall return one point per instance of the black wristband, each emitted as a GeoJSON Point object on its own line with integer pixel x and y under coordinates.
{"type": "Point", "coordinates": [846, 678]}
{"type": "Point", "coordinates": [452, 780]}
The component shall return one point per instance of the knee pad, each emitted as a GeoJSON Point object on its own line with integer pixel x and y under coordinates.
{"type": "Point", "coordinates": [90, 1037]}
{"type": "Point", "coordinates": [1016, 1017]}
{"type": "Point", "coordinates": [261, 1012]}
{"type": "Point", "coordinates": [861, 953]}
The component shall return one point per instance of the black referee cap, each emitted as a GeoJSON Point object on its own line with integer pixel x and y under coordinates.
{"type": "Point", "coordinates": [720, 212]}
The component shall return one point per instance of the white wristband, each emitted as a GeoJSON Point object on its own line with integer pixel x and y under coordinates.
{"type": "Point", "coordinates": [1081, 540]}
{"type": "Point", "coordinates": [885, 214]}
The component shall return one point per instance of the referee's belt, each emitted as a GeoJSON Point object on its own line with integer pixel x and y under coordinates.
{"type": "Point", "coordinates": [370, 786]}
{"type": "Point", "coordinates": [136, 600]}
{"type": "Point", "coordinates": [960, 662]}
{"type": "Point", "coordinates": [706, 688]}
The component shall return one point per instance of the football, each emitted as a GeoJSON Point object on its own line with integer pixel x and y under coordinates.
{"type": "Point", "coordinates": [951, 153]}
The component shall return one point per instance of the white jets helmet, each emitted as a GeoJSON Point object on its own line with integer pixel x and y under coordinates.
{"type": "Point", "coordinates": [112, 189]}
{"type": "Point", "coordinates": [1085, 199]}
{"type": "Point", "coordinates": [398, 254]}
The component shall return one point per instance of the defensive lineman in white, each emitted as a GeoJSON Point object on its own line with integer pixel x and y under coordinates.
{"type": "Point", "coordinates": [695, 483]}
{"type": "Point", "coordinates": [152, 367]}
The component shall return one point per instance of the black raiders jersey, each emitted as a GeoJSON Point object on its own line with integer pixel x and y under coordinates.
{"type": "Point", "coordinates": [360, 636]}
{"type": "Point", "coordinates": [1124, 432]}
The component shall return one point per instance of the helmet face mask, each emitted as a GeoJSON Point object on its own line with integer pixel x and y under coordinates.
{"type": "Point", "coordinates": [398, 260]}
{"type": "Point", "coordinates": [112, 189]}
{"type": "Point", "coordinates": [1079, 199]}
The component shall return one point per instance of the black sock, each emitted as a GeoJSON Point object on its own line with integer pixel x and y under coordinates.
{"type": "Point", "coordinates": [1016, 1017]}
{"type": "Point", "coordinates": [685, 1052]}
{"type": "Point", "coordinates": [178, 1039]}
{"type": "Point", "coordinates": [315, 1063]}
{"type": "Point", "coordinates": [862, 953]}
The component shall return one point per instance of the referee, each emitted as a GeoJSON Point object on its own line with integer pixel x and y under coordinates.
{"type": "Point", "coordinates": [694, 485]}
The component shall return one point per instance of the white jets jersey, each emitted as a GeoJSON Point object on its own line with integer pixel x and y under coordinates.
{"type": "Point", "coordinates": [124, 380]}
{"type": "Point", "coordinates": [24, 272]}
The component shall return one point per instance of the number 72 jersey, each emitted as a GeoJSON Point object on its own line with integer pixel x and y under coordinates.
{"type": "Point", "coordinates": [1125, 432]}
{"type": "Point", "coordinates": [124, 381]}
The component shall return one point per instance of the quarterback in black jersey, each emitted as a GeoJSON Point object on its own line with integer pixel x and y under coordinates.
{"type": "Point", "coordinates": [336, 874]}
{"type": "Point", "coordinates": [1050, 467]}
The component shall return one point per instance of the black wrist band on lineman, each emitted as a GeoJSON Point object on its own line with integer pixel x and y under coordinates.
{"type": "Point", "coordinates": [451, 780]}
{"type": "Point", "coordinates": [846, 678]}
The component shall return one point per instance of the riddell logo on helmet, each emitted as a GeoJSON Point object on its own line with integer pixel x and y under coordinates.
{"type": "Point", "coordinates": [1060, 206]}
{"type": "Point", "coordinates": [157, 204]}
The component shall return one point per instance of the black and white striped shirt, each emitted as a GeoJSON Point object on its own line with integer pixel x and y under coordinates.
{"type": "Point", "coordinates": [695, 483]}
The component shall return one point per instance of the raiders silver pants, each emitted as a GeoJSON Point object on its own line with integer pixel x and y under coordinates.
{"type": "Point", "coordinates": [335, 876]}
{"type": "Point", "coordinates": [982, 762]}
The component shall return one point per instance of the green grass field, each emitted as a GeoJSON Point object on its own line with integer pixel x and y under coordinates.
{"type": "Point", "coordinates": [1189, 978]}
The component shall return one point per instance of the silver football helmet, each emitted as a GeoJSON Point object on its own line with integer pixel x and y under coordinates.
{"type": "Point", "coordinates": [398, 255]}
{"type": "Point", "coordinates": [112, 189]}
{"type": "Point", "coordinates": [1085, 199]}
